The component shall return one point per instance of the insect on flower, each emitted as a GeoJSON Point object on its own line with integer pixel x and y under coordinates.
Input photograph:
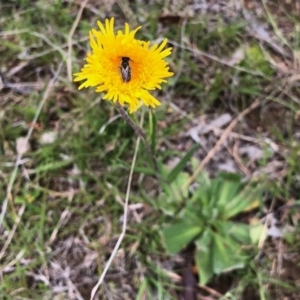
{"type": "Point", "coordinates": [125, 69]}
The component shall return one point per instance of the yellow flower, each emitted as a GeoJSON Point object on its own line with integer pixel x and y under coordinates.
{"type": "Point", "coordinates": [123, 67]}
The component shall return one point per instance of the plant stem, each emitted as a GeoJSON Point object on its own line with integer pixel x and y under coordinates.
{"type": "Point", "coordinates": [139, 131]}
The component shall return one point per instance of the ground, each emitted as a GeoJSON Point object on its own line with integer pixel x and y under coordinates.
{"type": "Point", "coordinates": [232, 106]}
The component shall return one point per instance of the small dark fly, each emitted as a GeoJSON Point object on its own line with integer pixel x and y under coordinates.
{"type": "Point", "coordinates": [125, 69]}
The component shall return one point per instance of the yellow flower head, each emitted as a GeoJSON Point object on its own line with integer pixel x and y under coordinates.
{"type": "Point", "coordinates": [123, 67]}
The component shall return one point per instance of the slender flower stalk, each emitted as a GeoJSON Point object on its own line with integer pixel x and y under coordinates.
{"type": "Point", "coordinates": [123, 67]}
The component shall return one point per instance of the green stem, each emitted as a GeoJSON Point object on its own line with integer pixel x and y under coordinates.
{"type": "Point", "coordinates": [139, 131]}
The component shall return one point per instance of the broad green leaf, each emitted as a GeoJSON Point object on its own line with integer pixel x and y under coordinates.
{"type": "Point", "coordinates": [239, 232]}
{"type": "Point", "coordinates": [173, 190]}
{"type": "Point", "coordinates": [204, 257]}
{"type": "Point", "coordinates": [192, 214]}
{"type": "Point", "coordinates": [177, 236]}
{"type": "Point", "coordinates": [227, 192]}
{"type": "Point", "coordinates": [203, 194]}
{"type": "Point", "coordinates": [225, 254]}
{"type": "Point", "coordinates": [222, 254]}
{"type": "Point", "coordinates": [241, 202]}
{"type": "Point", "coordinates": [253, 205]}
{"type": "Point", "coordinates": [200, 197]}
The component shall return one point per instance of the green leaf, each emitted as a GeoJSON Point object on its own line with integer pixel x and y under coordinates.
{"type": "Point", "coordinates": [173, 190]}
{"type": "Point", "coordinates": [152, 130]}
{"type": "Point", "coordinates": [221, 255]}
{"type": "Point", "coordinates": [239, 232]}
{"type": "Point", "coordinates": [179, 167]}
{"type": "Point", "coordinates": [192, 214]}
{"type": "Point", "coordinates": [203, 194]}
{"type": "Point", "coordinates": [177, 236]}
{"type": "Point", "coordinates": [225, 254]}
{"type": "Point", "coordinates": [241, 202]}
{"type": "Point", "coordinates": [228, 190]}
{"type": "Point", "coordinates": [204, 257]}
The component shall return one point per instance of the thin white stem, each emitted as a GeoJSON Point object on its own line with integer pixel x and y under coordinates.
{"type": "Point", "coordinates": [121, 237]}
